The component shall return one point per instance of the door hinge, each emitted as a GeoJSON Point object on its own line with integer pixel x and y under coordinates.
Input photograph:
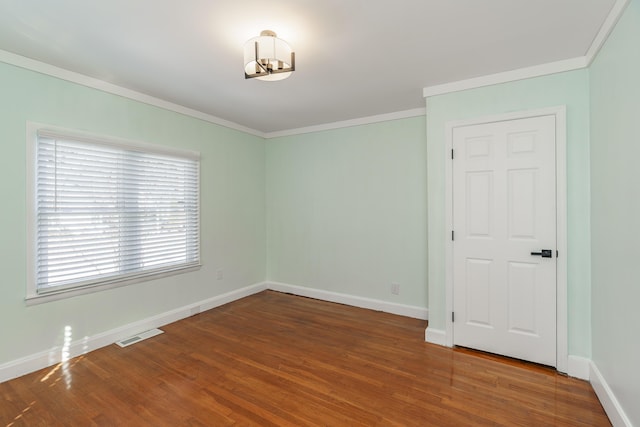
{"type": "Point", "coordinates": [557, 254]}
{"type": "Point", "coordinates": [452, 154]}
{"type": "Point", "coordinates": [453, 316]}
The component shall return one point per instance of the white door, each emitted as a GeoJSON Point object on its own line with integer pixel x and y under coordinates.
{"type": "Point", "coordinates": [504, 216]}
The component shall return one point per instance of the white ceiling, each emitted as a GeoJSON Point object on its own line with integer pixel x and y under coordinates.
{"type": "Point", "coordinates": [354, 58]}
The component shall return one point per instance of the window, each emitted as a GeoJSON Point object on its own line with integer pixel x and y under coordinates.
{"type": "Point", "coordinates": [109, 213]}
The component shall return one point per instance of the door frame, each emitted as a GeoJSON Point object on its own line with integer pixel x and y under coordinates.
{"type": "Point", "coordinates": [561, 221]}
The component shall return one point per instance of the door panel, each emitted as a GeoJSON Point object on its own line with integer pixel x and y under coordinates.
{"type": "Point", "coordinates": [479, 202]}
{"type": "Point", "coordinates": [521, 204]}
{"type": "Point", "coordinates": [503, 210]}
{"type": "Point", "coordinates": [522, 290]}
{"type": "Point", "coordinates": [479, 313]}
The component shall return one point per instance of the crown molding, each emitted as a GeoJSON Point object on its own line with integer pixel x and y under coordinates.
{"type": "Point", "coordinates": [94, 83]}
{"type": "Point", "coordinates": [538, 70]}
{"type": "Point", "coordinates": [607, 27]}
{"type": "Point", "coordinates": [416, 112]}
{"type": "Point", "coordinates": [507, 76]}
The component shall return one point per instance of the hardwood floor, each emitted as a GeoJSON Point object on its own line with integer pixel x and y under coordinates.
{"type": "Point", "coordinates": [279, 360]}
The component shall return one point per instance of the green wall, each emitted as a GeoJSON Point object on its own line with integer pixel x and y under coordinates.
{"type": "Point", "coordinates": [615, 212]}
{"type": "Point", "coordinates": [570, 89]}
{"type": "Point", "coordinates": [232, 213]}
{"type": "Point", "coordinates": [346, 210]}
{"type": "Point", "coordinates": [349, 210]}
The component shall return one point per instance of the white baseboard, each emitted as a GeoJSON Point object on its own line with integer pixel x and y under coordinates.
{"type": "Point", "coordinates": [35, 362]}
{"type": "Point", "coordinates": [355, 301]}
{"type": "Point", "coordinates": [578, 367]}
{"type": "Point", "coordinates": [53, 356]}
{"type": "Point", "coordinates": [608, 400]}
{"type": "Point", "coordinates": [435, 336]}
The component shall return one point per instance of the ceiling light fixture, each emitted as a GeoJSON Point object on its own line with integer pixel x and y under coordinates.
{"type": "Point", "coordinates": [268, 58]}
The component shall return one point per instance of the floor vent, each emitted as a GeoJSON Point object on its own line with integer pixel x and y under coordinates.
{"type": "Point", "coordinates": [137, 338]}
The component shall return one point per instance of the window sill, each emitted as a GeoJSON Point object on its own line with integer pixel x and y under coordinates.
{"type": "Point", "coordinates": [35, 299]}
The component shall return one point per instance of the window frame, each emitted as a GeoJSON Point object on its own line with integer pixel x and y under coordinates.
{"type": "Point", "coordinates": [32, 294]}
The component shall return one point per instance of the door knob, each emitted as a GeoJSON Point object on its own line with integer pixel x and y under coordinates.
{"type": "Point", "coordinates": [544, 253]}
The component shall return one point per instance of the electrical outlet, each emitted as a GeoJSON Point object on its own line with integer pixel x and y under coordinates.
{"type": "Point", "coordinates": [219, 274]}
{"type": "Point", "coordinates": [395, 288]}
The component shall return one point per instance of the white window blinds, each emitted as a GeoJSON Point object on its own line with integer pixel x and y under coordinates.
{"type": "Point", "coordinates": [107, 213]}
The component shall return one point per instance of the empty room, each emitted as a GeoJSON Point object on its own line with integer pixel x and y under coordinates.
{"type": "Point", "coordinates": [331, 213]}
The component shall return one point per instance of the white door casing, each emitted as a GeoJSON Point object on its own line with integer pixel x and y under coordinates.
{"type": "Point", "coordinates": [524, 268]}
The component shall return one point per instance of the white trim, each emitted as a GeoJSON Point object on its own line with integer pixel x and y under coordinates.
{"type": "Point", "coordinates": [54, 355]}
{"type": "Point", "coordinates": [94, 83]}
{"type": "Point", "coordinates": [607, 27]}
{"type": "Point", "coordinates": [578, 367]}
{"type": "Point", "coordinates": [538, 70]}
{"type": "Point", "coordinates": [436, 336]}
{"type": "Point", "coordinates": [487, 80]}
{"type": "Point", "coordinates": [562, 301]}
{"type": "Point", "coordinates": [608, 400]}
{"type": "Point", "coordinates": [355, 301]}
{"type": "Point", "coordinates": [448, 247]}
{"type": "Point", "coordinates": [416, 112]}
{"type": "Point", "coordinates": [33, 131]}
{"type": "Point", "coordinates": [507, 76]}
{"type": "Point", "coordinates": [33, 298]}
{"type": "Point", "coordinates": [81, 79]}
{"type": "Point", "coordinates": [561, 221]}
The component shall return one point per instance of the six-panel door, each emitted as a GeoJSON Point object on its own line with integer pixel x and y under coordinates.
{"type": "Point", "coordinates": [503, 211]}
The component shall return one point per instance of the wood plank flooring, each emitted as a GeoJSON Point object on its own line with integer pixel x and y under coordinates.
{"type": "Point", "coordinates": [274, 359]}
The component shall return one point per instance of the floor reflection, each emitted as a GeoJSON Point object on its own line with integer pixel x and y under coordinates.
{"type": "Point", "coordinates": [20, 415]}
{"type": "Point", "coordinates": [65, 365]}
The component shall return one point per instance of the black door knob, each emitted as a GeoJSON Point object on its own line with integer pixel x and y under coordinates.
{"type": "Point", "coordinates": [544, 253]}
